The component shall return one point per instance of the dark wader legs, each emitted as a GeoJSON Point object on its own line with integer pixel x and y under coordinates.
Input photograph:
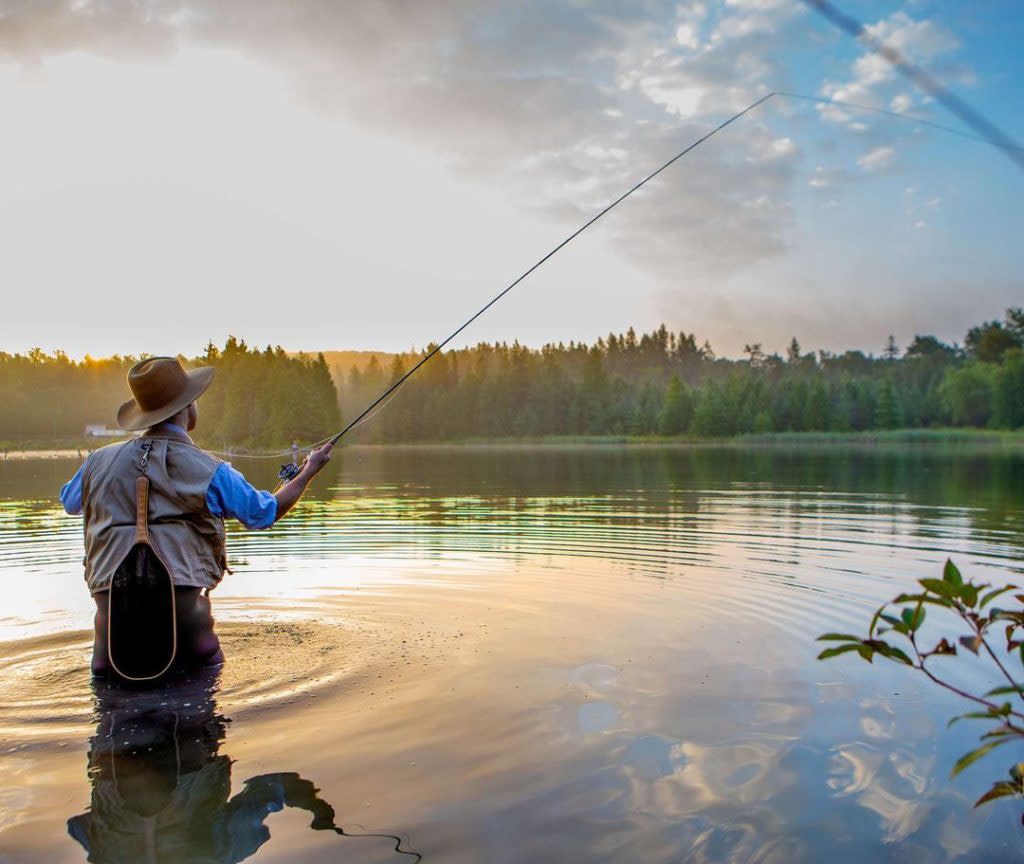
{"type": "Point", "coordinates": [198, 645]}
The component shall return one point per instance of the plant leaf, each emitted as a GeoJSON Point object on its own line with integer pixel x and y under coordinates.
{"type": "Point", "coordinates": [972, 715]}
{"type": "Point", "coordinates": [969, 594]}
{"type": "Point", "coordinates": [988, 598]}
{"type": "Point", "coordinates": [838, 637]}
{"type": "Point", "coordinates": [971, 643]}
{"type": "Point", "coordinates": [894, 654]}
{"type": "Point", "coordinates": [969, 759]}
{"type": "Point", "coordinates": [924, 598]}
{"type": "Point", "coordinates": [1006, 688]}
{"type": "Point", "coordinates": [840, 649]}
{"type": "Point", "coordinates": [998, 790]}
{"type": "Point", "coordinates": [951, 574]}
{"type": "Point", "coordinates": [874, 620]}
{"type": "Point", "coordinates": [938, 586]}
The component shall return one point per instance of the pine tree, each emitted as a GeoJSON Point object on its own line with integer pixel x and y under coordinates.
{"type": "Point", "coordinates": [677, 408]}
{"type": "Point", "coordinates": [887, 415]}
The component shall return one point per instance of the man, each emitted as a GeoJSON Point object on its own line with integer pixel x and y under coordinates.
{"type": "Point", "coordinates": [191, 493]}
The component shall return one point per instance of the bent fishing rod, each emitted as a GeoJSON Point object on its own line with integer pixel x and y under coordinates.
{"type": "Point", "coordinates": [289, 471]}
{"type": "Point", "coordinates": [292, 469]}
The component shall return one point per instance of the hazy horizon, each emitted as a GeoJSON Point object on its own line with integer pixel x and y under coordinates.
{"type": "Point", "coordinates": [780, 349]}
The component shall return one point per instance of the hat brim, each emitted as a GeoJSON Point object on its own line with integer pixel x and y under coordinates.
{"type": "Point", "coordinates": [132, 418]}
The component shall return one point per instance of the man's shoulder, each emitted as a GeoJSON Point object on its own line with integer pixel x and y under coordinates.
{"type": "Point", "coordinates": [188, 452]}
{"type": "Point", "coordinates": [106, 452]}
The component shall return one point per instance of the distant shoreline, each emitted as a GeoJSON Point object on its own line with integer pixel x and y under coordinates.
{"type": "Point", "coordinates": [985, 438]}
{"type": "Point", "coordinates": [974, 438]}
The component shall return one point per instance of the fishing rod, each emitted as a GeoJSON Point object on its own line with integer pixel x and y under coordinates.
{"type": "Point", "coordinates": [970, 116]}
{"type": "Point", "coordinates": [290, 470]}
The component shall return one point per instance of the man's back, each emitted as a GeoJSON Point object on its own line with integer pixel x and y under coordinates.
{"type": "Point", "coordinates": [188, 538]}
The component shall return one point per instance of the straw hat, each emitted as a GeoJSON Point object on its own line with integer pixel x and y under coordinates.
{"type": "Point", "coordinates": [161, 387]}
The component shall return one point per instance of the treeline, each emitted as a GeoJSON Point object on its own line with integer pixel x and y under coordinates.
{"type": "Point", "coordinates": [658, 383]}
{"type": "Point", "coordinates": [260, 398]}
{"type": "Point", "coordinates": [664, 383]}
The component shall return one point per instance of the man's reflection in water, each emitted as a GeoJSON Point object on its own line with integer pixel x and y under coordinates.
{"type": "Point", "coordinates": [160, 786]}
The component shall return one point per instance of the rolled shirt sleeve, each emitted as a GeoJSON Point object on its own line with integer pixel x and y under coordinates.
{"type": "Point", "coordinates": [230, 495]}
{"type": "Point", "coordinates": [71, 495]}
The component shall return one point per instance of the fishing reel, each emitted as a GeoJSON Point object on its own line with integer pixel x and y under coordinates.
{"type": "Point", "coordinates": [288, 472]}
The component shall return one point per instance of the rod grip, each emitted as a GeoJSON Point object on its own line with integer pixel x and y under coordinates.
{"type": "Point", "coordinates": [142, 510]}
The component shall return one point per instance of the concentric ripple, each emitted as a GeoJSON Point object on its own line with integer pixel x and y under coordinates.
{"type": "Point", "coordinates": [44, 681]}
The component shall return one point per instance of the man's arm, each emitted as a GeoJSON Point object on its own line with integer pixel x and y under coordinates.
{"type": "Point", "coordinates": [71, 495]}
{"type": "Point", "coordinates": [289, 494]}
{"type": "Point", "coordinates": [230, 495]}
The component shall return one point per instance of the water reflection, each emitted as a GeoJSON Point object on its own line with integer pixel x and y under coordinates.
{"type": "Point", "coordinates": [549, 655]}
{"type": "Point", "coordinates": [161, 787]}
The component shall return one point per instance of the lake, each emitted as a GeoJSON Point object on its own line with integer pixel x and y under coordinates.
{"type": "Point", "coordinates": [524, 655]}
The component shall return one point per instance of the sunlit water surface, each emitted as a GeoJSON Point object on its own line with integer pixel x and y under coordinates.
{"type": "Point", "coordinates": [522, 656]}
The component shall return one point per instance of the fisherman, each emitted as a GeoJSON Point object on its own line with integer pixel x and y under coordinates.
{"type": "Point", "coordinates": [191, 493]}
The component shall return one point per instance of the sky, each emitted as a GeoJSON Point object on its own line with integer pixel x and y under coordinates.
{"type": "Point", "coordinates": [326, 175]}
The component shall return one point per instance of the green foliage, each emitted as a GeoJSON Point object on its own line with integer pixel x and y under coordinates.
{"type": "Point", "coordinates": [887, 410]}
{"type": "Point", "coordinates": [1009, 391]}
{"type": "Point", "coordinates": [970, 604]}
{"type": "Point", "coordinates": [988, 342]}
{"type": "Point", "coordinates": [258, 399]}
{"type": "Point", "coordinates": [677, 410]}
{"type": "Point", "coordinates": [969, 393]}
{"type": "Point", "coordinates": [627, 383]}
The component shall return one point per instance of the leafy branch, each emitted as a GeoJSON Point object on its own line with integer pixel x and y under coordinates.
{"type": "Point", "coordinates": [1003, 706]}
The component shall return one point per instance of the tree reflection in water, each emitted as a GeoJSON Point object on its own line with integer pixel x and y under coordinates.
{"type": "Point", "coordinates": [161, 788]}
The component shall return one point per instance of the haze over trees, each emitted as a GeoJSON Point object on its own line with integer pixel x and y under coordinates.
{"type": "Point", "coordinates": [658, 383]}
{"type": "Point", "coordinates": [259, 397]}
{"type": "Point", "coordinates": [664, 383]}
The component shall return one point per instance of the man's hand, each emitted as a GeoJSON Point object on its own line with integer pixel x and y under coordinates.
{"type": "Point", "coordinates": [318, 458]}
{"type": "Point", "coordinates": [292, 491]}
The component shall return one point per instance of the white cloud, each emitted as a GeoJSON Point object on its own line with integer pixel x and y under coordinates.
{"type": "Point", "coordinates": [878, 159]}
{"type": "Point", "coordinates": [539, 116]}
{"type": "Point", "coordinates": [687, 36]}
{"type": "Point", "coordinates": [827, 178]}
{"type": "Point", "coordinates": [900, 103]}
{"type": "Point", "coordinates": [921, 41]}
{"type": "Point", "coordinates": [759, 5]}
{"type": "Point", "coordinates": [768, 149]}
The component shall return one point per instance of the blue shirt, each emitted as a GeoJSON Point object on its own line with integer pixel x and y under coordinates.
{"type": "Point", "coordinates": [229, 495]}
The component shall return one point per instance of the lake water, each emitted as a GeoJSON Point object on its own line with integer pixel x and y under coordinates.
{"type": "Point", "coordinates": [548, 655]}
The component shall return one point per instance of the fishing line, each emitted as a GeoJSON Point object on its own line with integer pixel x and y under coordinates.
{"type": "Point", "coordinates": [378, 404]}
{"type": "Point", "coordinates": [858, 106]}
{"type": "Point", "coordinates": [975, 119]}
{"type": "Point", "coordinates": [341, 832]}
{"type": "Point", "coordinates": [333, 439]}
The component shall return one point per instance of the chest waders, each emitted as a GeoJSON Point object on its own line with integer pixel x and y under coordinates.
{"type": "Point", "coordinates": [142, 633]}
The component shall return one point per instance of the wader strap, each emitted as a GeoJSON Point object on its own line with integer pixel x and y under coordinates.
{"type": "Point", "coordinates": [142, 497]}
{"type": "Point", "coordinates": [142, 511]}
{"type": "Point", "coordinates": [142, 536]}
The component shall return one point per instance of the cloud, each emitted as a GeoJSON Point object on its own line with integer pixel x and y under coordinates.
{"type": "Point", "coordinates": [562, 105]}
{"type": "Point", "coordinates": [878, 159]}
{"type": "Point", "coordinates": [900, 103]}
{"type": "Point", "coordinates": [827, 178]}
{"type": "Point", "coordinates": [921, 41]}
{"type": "Point", "coordinates": [687, 35]}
